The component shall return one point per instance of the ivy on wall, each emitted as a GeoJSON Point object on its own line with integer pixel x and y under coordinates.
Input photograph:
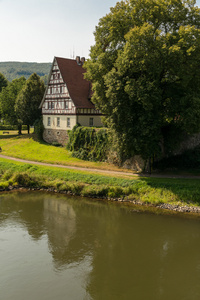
{"type": "Point", "coordinates": [88, 143]}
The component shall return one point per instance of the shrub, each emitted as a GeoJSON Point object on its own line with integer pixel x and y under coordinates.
{"type": "Point", "coordinates": [39, 128]}
{"type": "Point", "coordinates": [88, 143]}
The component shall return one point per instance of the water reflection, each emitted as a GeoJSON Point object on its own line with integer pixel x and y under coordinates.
{"type": "Point", "coordinates": [102, 251]}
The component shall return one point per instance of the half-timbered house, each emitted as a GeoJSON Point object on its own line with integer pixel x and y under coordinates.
{"type": "Point", "coordinates": [66, 101]}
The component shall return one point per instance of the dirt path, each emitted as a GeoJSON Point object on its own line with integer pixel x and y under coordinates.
{"type": "Point", "coordinates": [99, 170]}
{"type": "Point", "coordinates": [69, 167]}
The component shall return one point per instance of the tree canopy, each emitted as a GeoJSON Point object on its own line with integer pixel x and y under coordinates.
{"type": "Point", "coordinates": [3, 82]}
{"type": "Point", "coordinates": [145, 74]}
{"type": "Point", "coordinates": [29, 99]}
{"type": "Point", "coordinates": [8, 98]}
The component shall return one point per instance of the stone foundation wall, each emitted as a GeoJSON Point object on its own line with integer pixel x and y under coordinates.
{"type": "Point", "coordinates": [135, 163]}
{"type": "Point", "coordinates": [189, 143]}
{"type": "Point", "coordinates": [54, 135]}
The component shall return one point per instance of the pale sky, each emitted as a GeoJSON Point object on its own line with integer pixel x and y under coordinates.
{"type": "Point", "coordinates": [38, 30]}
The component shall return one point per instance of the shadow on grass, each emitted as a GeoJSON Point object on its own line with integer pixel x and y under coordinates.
{"type": "Point", "coordinates": [184, 189]}
{"type": "Point", "coordinates": [24, 136]}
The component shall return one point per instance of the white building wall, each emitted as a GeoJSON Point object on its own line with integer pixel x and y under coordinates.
{"type": "Point", "coordinates": [62, 124]}
{"type": "Point", "coordinates": [85, 120]}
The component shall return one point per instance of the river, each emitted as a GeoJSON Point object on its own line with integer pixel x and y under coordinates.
{"type": "Point", "coordinates": [57, 247]}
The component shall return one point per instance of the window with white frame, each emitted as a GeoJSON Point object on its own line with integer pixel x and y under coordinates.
{"type": "Point", "coordinates": [91, 121]}
{"type": "Point", "coordinates": [49, 121]}
{"type": "Point", "coordinates": [58, 122]}
{"type": "Point", "coordinates": [68, 122]}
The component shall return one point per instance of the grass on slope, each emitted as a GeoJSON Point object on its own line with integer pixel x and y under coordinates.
{"type": "Point", "coordinates": [26, 147]}
{"type": "Point", "coordinates": [147, 190]}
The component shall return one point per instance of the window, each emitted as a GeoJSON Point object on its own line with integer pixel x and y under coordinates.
{"type": "Point", "coordinates": [49, 121]}
{"type": "Point", "coordinates": [91, 121]}
{"type": "Point", "coordinates": [68, 122]}
{"type": "Point", "coordinates": [66, 104]}
{"type": "Point", "coordinates": [61, 89]}
{"type": "Point", "coordinates": [51, 90]}
{"type": "Point", "coordinates": [58, 122]}
{"type": "Point", "coordinates": [49, 105]}
{"type": "Point", "coordinates": [52, 105]}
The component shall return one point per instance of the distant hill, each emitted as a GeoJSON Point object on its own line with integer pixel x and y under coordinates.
{"type": "Point", "coordinates": [12, 70]}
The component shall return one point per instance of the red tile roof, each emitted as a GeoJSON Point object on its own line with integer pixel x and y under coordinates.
{"type": "Point", "coordinates": [78, 87]}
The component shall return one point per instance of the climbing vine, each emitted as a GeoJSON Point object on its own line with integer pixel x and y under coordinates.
{"type": "Point", "coordinates": [88, 143]}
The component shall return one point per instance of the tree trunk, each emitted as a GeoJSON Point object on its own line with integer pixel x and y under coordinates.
{"type": "Point", "coordinates": [28, 128]}
{"type": "Point", "coordinates": [19, 128]}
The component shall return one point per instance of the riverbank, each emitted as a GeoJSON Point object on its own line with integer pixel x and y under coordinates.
{"type": "Point", "coordinates": [171, 194]}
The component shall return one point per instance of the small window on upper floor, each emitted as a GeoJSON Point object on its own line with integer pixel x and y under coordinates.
{"type": "Point", "coordinates": [66, 104]}
{"type": "Point", "coordinates": [61, 89]}
{"type": "Point", "coordinates": [52, 105]}
{"type": "Point", "coordinates": [58, 122]}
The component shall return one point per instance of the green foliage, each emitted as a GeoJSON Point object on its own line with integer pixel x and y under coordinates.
{"type": "Point", "coordinates": [88, 143]}
{"type": "Point", "coordinates": [8, 98]}
{"type": "Point", "coordinates": [11, 127]}
{"type": "Point", "coordinates": [3, 82]}
{"type": "Point", "coordinates": [144, 69]}
{"type": "Point", "coordinates": [26, 180]}
{"type": "Point", "coordinates": [13, 70]}
{"type": "Point", "coordinates": [29, 99]}
{"type": "Point", "coordinates": [39, 128]}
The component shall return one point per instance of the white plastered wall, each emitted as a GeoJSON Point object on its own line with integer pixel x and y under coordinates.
{"type": "Point", "coordinates": [63, 122]}
{"type": "Point", "coordinates": [84, 120]}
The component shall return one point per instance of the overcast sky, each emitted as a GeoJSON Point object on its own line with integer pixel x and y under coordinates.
{"type": "Point", "coordinates": [38, 30]}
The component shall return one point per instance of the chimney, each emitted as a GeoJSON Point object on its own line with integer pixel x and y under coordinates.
{"type": "Point", "coordinates": [82, 60]}
{"type": "Point", "coordinates": [78, 60]}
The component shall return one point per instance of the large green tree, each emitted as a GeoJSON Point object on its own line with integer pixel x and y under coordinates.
{"type": "Point", "coordinates": [8, 98]}
{"type": "Point", "coordinates": [3, 82]}
{"type": "Point", "coordinates": [29, 99]}
{"type": "Point", "coordinates": [145, 73]}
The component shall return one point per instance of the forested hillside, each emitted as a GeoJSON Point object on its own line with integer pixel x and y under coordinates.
{"type": "Point", "coordinates": [12, 70]}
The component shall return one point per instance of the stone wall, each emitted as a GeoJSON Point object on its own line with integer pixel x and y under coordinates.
{"type": "Point", "coordinates": [189, 143]}
{"type": "Point", "coordinates": [53, 135]}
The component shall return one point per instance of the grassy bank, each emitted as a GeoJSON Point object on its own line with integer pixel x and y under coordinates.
{"type": "Point", "coordinates": [27, 147]}
{"type": "Point", "coordinates": [146, 190]}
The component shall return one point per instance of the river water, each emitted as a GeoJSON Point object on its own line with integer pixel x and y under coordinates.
{"type": "Point", "coordinates": [57, 247]}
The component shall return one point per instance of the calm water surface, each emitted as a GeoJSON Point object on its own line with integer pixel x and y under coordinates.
{"type": "Point", "coordinates": [57, 247]}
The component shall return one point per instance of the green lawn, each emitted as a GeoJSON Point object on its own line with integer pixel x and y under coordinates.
{"type": "Point", "coordinates": [147, 190]}
{"type": "Point", "coordinates": [26, 147]}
